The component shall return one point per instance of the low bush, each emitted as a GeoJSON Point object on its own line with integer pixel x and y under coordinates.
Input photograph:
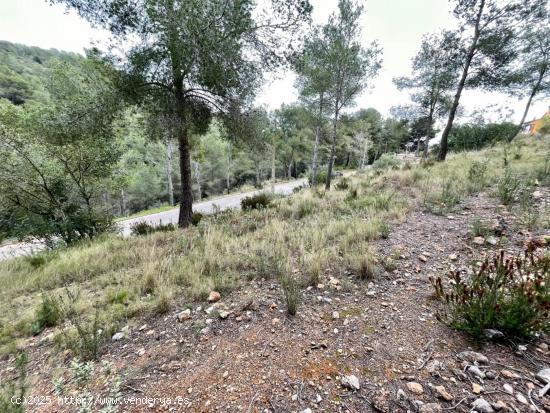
{"type": "Point", "coordinates": [144, 228]}
{"type": "Point", "coordinates": [196, 218]}
{"type": "Point", "coordinates": [258, 201]}
{"type": "Point", "coordinates": [480, 228]}
{"type": "Point", "coordinates": [477, 175]}
{"type": "Point", "coordinates": [291, 292]}
{"type": "Point", "coordinates": [342, 184]}
{"type": "Point", "coordinates": [445, 200]}
{"type": "Point", "coordinates": [508, 294]}
{"type": "Point", "coordinates": [86, 337]}
{"type": "Point", "coordinates": [48, 314]}
{"type": "Point", "coordinates": [385, 162]}
{"type": "Point", "coordinates": [508, 186]}
{"type": "Point", "coordinates": [320, 179]}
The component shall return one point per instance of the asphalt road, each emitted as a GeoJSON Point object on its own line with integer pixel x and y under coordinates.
{"type": "Point", "coordinates": [171, 216]}
{"type": "Point", "coordinates": [207, 207]}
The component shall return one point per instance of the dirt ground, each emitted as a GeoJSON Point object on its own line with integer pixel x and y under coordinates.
{"type": "Point", "coordinates": [384, 332]}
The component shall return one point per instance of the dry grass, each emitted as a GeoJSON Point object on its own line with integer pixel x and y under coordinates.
{"type": "Point", "coordinates": [311, 234]}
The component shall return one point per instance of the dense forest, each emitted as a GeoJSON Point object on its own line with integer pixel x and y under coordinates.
{"type": "Point", "coordinates": [145, 172]}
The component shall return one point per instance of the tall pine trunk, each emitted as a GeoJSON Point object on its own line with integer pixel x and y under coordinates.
{"type": "Point", "coordinates": [169, 171]}
{"type": "Point", "coordinates": [273, 159]}
{"type": "Point", "coordinates": [333, 147]}
{"type": "Point", "coordinates": [530, 100]}
{"type": "Point", "coordinates": [314, 161]}
{"type": "Point", "coordinates": [364, 156]}
{"type": "Point", "coordinates": [454, 107]}
{"type": "Point", "coordinates": [428, 134]}
{"type": "Point", "coordinates": [186, 194]}
{"type": "Point", "coordinates": [198, 179]}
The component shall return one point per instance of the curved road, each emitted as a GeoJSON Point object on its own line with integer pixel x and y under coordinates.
{"type": "Point", "coordinates": [166, 217]}
{"type": "Point", "coordinates": [207, 207]}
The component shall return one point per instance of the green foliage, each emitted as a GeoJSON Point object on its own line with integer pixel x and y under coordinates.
{"type": "Point", "coordinates": [291, 292]}
{"type": "Point", "coordinates": [48, 314]}
{"type": "Point", "coordinates": [86, 337]}
{"type": "Point", "coordinates": [53, 172]}
{"type": "Point", "coordinates": [321, 177]}
{"type": "Point", "coordinates": [12, 394]}
{"type": "Point", "coordinates": [509, 294]}
{"type": "Point", "coordinates": [507, 187]}
{"type": "Point", "coordinates": [445, 199]}
{"type": "Point", "coordinates": [477, 175]}
{"type": "Point", "coordinates": [258, 201]}
{"type": "Point", "coordinates": [480, 228]}
{"type": "Point", "coordinates": [468, 137]}
{"type": "Point", "coordinates": [342, 184]}
{"type": "Point", "coordinates": [196, 218]}
{"type": "Point", "coordinates": [24, 71]}
{"type": "Point", "coordinates": [386, 162]}
{"type": "Point", "coordinates": [144, 228]}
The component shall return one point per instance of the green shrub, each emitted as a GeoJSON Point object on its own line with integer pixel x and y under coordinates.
{"type": "Point", "coordinates": [342, 184]}
{"type": "Point", "coordinates": [529, 215]}
{"type": "Point", "coordinates": [321, 177]}
{"type": "Point", "coordinates": [291, 291]}
{"type": "Point", "coordinates": [467, 137]}
{"type": "Point", "coordinates": [87, 336]}
{"type": "Point", "coordinates": [196, 218]}
{"type": "Point", "coordinates": [13, 392]}
{"type": "Point", "coordinates": [477, 175]}
{"type": "Point", "coordinates": [480, 228]}
{"type": "Point", "coordinates": [443, 201]}
{"type": "Point", "coordinates": [48, 314]}
{"type": "Point", "coordinates": [258, 201]}
{"type": "Point", "coordinates": [509, 294]}
{"type": "Point", "coordinates": [386, 161]}
{"type": "Point", "coordinates": [304, 208]}
{"type": "Point", "coordinates": [144, 228]}
{"type": "Point", "coordinates": [508, 186]}
{"type": "Point", "coordinates": [364, 267]}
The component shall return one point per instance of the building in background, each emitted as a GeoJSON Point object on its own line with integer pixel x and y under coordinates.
{"type": "Point", "coordinates": [535, 125]}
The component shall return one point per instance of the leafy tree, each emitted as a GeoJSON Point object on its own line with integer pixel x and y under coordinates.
{"type": "Point", "coordinates": [489, 28]}
{"type": "Point", "coordinates": [293, 124]}
{"type": "Point", "coordinates": [475, 136]}
{"type": "Point", "coordinates": [349, 64]}
{"type": "Point", "coordinates": [532, 77]}
{"type": "Point", "coordinates": [56, 159]}
{"type": "Point", "coordinates": [313, 83]}
{"type": "Point", "coordinates": [434, 76]}
{"type": "Point", "coordinates": [25, 71]}
{"type": "Point", "coordinates": [193, 57]}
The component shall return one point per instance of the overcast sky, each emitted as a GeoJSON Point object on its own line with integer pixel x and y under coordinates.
{"type": "Point", "coordinates": [398, 25]}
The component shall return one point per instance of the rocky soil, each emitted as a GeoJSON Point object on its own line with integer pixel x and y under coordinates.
{"type": "Point", "coordinates": [354, 346]}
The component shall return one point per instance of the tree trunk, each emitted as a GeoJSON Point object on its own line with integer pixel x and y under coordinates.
{"type": "Point", "coordinates": [289, 172]}
{"type": "Point", "coordinates": [273, 155]}
{"type": "Point", "coordinates": [228, 169]}
{"type": "Point", "coordinates": [530, 100]}
{"type": "Point", "coordinates": [333, 148]}
{"type": "Point", "coordinates": [122, 202]}
{"type": "Point", "coordinates": [364, 156]}
{"type": "Point", "coordinates": [169, 171]}
{"type": "Point", "coordinates": [428, 134]}
{"type": "Point", "coordinates": [454, 107]}
{"type": "Point", "coordinates": [314, 161]}
{"type": "Point", "coordinates": [186, 195]}
{"type": "Point", "coordinates": [197, 168]}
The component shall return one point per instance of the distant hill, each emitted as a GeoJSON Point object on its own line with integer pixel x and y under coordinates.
{"type": "Point", "coordinates": [24, 70]}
